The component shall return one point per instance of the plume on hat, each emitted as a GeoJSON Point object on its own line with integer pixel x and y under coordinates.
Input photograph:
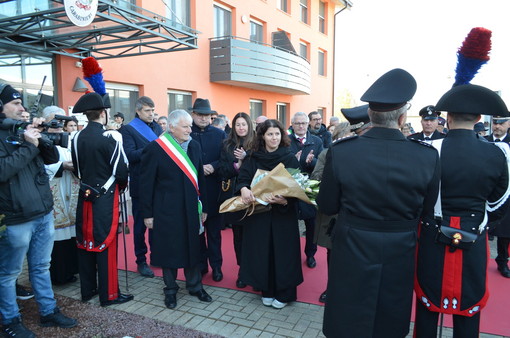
{"type": "Point", "coordinates": [93, 73]}
{"type": "Point", "coordinates": [472, 55]}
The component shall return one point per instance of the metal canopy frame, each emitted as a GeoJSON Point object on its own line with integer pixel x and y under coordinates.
{"type": "Point", "coordinates": [115, 32]}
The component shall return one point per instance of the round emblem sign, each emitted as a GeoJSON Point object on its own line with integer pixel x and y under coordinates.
{"type": "Point", "coordinates": [81, 12]}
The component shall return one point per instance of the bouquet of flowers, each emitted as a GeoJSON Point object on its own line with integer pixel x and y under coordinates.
{"type": "Point", "coordinates": [266, 183]}
{"type": "Point", "coordinates": [311, 187]}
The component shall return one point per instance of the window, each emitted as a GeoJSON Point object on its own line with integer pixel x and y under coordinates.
{"type": "Point", "coordinates": [222, 21]}
{"type": "Point", "coordinates": [283, 6]}
{"type": "Point", "coordinates": [304, 10]}
{"type": "Point", "coordinates": [256, 31]}
{"type": "Point", "coordinates": [178, 100]}
{"type": "Point", "coordinates": [303, 50]}
{"type": "Point", "coordinates": [178, 11]}
{"type": "Point", "coordinates": [255, 108]}
{"type": "Point", "coordinates": [322, 63]}
{"type": "Point", "coordinates": [127, 4]}
{"type": "Point", "coordinates": [281, 113]}
{"type": "Point", "coordinates": [321, 111]}
{"type": "Point", "coordinates": [123, 99]}
{"type": "Point", "coordinates": [322, 17]}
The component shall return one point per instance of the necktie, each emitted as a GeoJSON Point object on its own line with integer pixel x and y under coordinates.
{"type": "Point", "coordinates": [497, 140]}
{"type": "Point", "coordinates": [301, 140]}
{"type": "Point", "coordinates": [427, 138]}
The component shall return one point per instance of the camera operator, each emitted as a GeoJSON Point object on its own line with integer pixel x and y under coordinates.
{"type": "Point", "coordinates": [26, 202]}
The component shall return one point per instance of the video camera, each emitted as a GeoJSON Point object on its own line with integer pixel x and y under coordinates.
{"type": "Point", "coordinates": [18, 128]}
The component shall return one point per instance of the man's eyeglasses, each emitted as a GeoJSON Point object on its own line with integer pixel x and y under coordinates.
{"type": "Point", "coordinates": [300, 123]}
{"type": "Point", "coordinates": [317, 119]}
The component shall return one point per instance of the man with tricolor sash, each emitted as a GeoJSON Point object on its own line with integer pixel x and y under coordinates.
{"type": "Point", "coordinates": [173, 204]}
{"type": "Point", "coordinates": [136, 135]}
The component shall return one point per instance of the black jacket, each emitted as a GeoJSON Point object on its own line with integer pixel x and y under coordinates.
{"type": "Point", "coordinates": [24, 185]}
{"type": "Point", "coordinates": [312, 143]}
{"type": "Point", "coordinates": [134, 143]}
{"type": "Point", "coordinates": [323, 134]}
{"type": "Point", "coordinates": [419, 136]}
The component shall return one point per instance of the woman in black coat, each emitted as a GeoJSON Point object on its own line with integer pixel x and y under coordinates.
{"type": "Point", "coordinates": [232, 156]}
{"type": "Point", "coordinates": [271, 259]}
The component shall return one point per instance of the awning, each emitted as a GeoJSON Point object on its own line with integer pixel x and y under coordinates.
{"type": "Point", "coordinates": [119, 29]}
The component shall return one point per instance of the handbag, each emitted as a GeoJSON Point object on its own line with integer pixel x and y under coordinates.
{"type": "Point", "coordinates": [456, 238]}
{"type": "Point", "coordinates": [227, 189]}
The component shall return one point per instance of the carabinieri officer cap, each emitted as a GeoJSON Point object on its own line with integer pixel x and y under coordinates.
{"type": "Point", "coordinates": [472, 99]}
{"type": "Point", "coordinates": [429, 113]}
{"type": "Point", "coordinates": [391, 91]}
{"type": "Point", "coordinates": [357, 116]}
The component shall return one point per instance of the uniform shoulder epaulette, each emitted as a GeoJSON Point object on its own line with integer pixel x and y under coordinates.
{"type": "Point", "coordinates": [423, 143]}
{"type": "Point", "coordinates": [343, 139]}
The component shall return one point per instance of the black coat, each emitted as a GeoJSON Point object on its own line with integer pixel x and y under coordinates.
{"type": "Point", "coordinates": [134, 143]}
{"type": "Point", "coordinates": [211, 142]}
{"type": "Point", "coordinates": [419, 136]}
{"type": "Point", "coordinates": [271, 237]}
{"type": "Point", "coordinates": [171, 199]}
{"type": "Point", "coordinates": [323, 134]}
{"type": "Point", "coordinates": [95, 153]}
{"type": "Point", "coordinates": [502, 228]}
{"type": "Point", "coordinates": [472, 172]}
{"type": "Point", "coordinates": [380, 184]}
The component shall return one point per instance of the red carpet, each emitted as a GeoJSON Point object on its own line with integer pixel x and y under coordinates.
{"type": "Point", "coordinates": [494, 319]}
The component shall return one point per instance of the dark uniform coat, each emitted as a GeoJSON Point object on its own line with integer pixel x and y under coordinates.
{"type": "Point", "coordinates": [96, 223]}
{"type": "Point", "coordinates": [380, 184]}
{"type": "Point", "coordinates": [502, 228]}
{"type": "Point", "coordinates": [171, 199]}
{"type": "Point", "coordinates": [420, 136]}
{"type": "Point", "coordinates": [472, 172]}
{"type": "Point", "coordinates": [271, 236]}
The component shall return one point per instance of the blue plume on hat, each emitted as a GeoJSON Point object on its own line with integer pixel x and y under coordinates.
{"type": "Point", "coordinates": [93, 73]}
{"type": "Point", "coordinates": [472, 55]}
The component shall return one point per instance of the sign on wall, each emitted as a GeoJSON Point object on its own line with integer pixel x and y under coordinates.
{"type": "Point", "coordinates": [81, 12]}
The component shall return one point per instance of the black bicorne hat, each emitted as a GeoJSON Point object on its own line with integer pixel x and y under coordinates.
{"type": "Point", "coordinates": [472, 99]}
{"type": "Point", "coordinates": [91, 101]}
{"type": "Point", "coordinates": [391, 91]}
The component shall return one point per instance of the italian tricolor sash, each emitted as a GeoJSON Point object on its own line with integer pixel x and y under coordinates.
{"type": "Point", "coordinates": [179, 156]}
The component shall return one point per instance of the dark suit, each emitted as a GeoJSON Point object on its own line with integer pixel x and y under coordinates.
{"type": "Point", "coordinates": [134, 143]}
{"type": "Point", "coordinates": [307, 212]}
{"type": "Point", "coordinates": [502, 229]}
{"type": "Point", "coordinates": [454, 281]}
{"type": "Point", "coordinates": [420, 136]}
{"type": "Point", "coordinates": [380, 184]}
{"type": "Point", "coordinates": [97, 221]}
{"type": "Point", "coordinates": [211, 143]}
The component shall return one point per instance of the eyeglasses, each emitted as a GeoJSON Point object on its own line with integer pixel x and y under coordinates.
{"type": "Point", "coordinates": [317, 119]}
{"type": "Point", "coordinates": [300, 123]}
{"type": "Point", "coordinates": [409, 105]}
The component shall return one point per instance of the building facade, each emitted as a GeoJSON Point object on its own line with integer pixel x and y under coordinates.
{"type": "Point", "coordinates": [263, 57]}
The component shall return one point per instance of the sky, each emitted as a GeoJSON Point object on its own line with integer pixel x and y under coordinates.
{"type": "Point", "coordinates": [422, 37]}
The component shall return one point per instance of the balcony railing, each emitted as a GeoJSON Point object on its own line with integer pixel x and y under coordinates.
{"type": "Point", "coordinates": [238, 62]}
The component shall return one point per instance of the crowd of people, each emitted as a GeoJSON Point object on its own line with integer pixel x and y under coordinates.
{"type": "Point", "coordinates": [396, 209]}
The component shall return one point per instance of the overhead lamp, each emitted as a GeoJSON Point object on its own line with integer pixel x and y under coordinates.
{"type": "Point", "coordinates": [79, 86]}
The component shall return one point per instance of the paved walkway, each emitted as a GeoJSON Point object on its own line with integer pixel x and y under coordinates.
{"type": "Point", "coordinates": [232, 313]}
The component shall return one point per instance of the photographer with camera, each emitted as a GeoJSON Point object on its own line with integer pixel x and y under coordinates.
{"type": "Point", "coordinates": [26, 203]}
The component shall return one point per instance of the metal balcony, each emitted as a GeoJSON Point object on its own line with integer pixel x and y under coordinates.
{"type": "Point", "coordinates": [238, 62]}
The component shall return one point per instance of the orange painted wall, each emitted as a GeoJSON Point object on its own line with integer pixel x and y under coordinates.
{"type": "Point", "coordinates": [189, 70]}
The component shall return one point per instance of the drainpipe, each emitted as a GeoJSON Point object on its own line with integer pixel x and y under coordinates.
{"type": "Point", "coordinates": [347, 4]}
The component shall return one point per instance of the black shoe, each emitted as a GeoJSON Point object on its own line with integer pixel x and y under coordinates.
{"type": "Point", "coordinates": [217, 275]}
{"type": "Point", "coordinates": [310, 262]}
{"type": "Point", "coordinates": [90, 296]}
{"type": "Point", "coordinates": [170, 301]}
{"type": "Point", "coordinates": [22, 293]}
{"type": "Point", "coordinates": [119, 300]}
{"type": "Point", "coordinates": [201, 295]}
{"type": "Point", "coordinates": [57, 319]}
{"type": "Point", "coordinates": [144, 270]}
{"type": "Point", "coordinates": [16, 329]}
{"type": "Point", "coordinates": [322, 297]}
{"type": "Point", "coordinates": [240, 284]}
{"type": "Point", "coordinates": [504, 271]}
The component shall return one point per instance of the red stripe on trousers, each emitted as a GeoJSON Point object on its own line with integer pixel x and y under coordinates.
{"type": "Point", "coordinates": [88, 223]}
{"type": "Point", "coordinates": [452, 274]}
{"type": "Point", "coordinates": [113, 275]}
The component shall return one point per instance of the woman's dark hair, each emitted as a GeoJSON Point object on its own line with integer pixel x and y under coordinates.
{"type": "Point", "coordinates": [262, 128]}
{"type": "Point", "coordinates": [74, 119]}
{"type": "Point", "coordinates": [235, 141]}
